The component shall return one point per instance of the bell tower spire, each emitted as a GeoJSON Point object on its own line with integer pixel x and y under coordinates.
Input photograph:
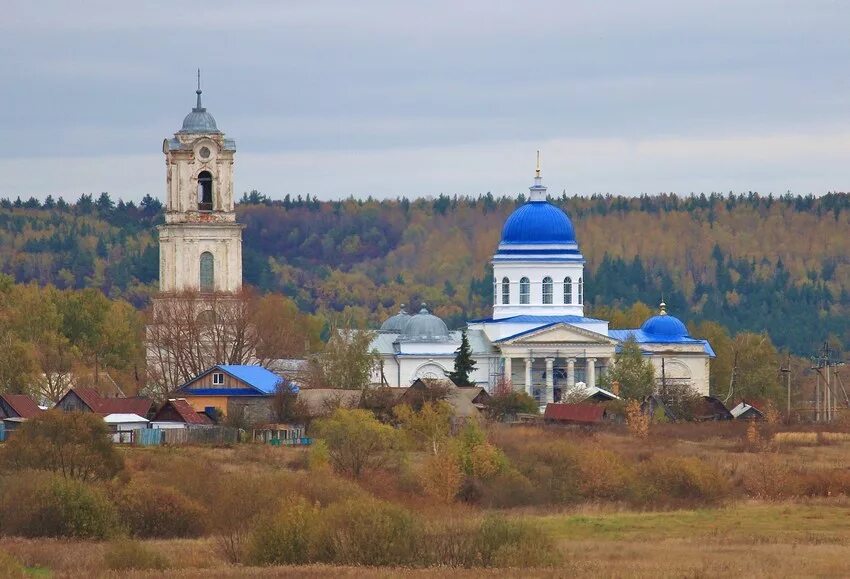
{"type": "Point", "coordinates": [200, 244]}
{"type": "Point", "coordinates": [538, 190]}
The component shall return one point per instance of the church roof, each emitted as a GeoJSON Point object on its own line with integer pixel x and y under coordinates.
{"type": "Point", "coordinates": [425, 327]}
{"type": "Point", "coordinates": [642, 337]}
{"type": "Point", "coordinates": [542, 320]}
{"type": "Point", "coordinates": [397, 322]}
{"type": "Point", "coordinates": [199, 121]}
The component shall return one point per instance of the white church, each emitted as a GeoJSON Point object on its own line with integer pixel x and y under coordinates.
{"type": "Point", "coordinates": [538, 337]}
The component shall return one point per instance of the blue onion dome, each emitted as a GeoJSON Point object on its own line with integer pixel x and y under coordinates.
{"type": "Point", "coordinates": [425, 326]}
{"type": "Point", "coordinates": [199, 120]}
{"type": "Point", "coordinates": [665, 325]}
{"type": "Point", "coordinates": [538, 222]}
{"type": "Point", "coordinates": [397, 322]}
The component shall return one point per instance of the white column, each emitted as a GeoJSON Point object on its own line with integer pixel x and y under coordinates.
{"type": "Point", "coordinates": [528, 362]}
{"type": "Point", "coordinates": [571, 373]}
{"type": "Point", "coordinates": [508, 369]}
{"type": "Point", "coordinates": [550, 380]}
{"type": "Point", "coordinates": [591, 372]}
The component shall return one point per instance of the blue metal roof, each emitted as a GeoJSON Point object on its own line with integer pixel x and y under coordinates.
{"type": "Point", "coordinates": [263, 380]}
{"type": "Point", "coordinates": [538, 222]}
{"type": "Point", "coordinates": [532, 330]}
{"type": "Point", "coordinates": [642, 337]}
{"type": "Point", "coordinates": [665, 325]}
{"type": "Point", "coordinates": [225, 392]}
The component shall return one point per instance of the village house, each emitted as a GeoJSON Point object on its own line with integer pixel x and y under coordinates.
{"type": "Point", "coordinates": [90, 400]}
{"type": "Point", "coordinates": [227, 389]}
{"type": "Point", "coordinates": [178, 413]}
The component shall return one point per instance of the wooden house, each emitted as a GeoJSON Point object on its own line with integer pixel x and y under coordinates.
{"type": "Point", "coordinates": [227, 386]}
{"type": "Point", "coordinates": [178, 413]}
{"type": "Point", "coordinates": [90, 400]}
{"type": "Point", "coordinates": [579, 414]}
{"type": "Point", "coordinates": [18, 406]}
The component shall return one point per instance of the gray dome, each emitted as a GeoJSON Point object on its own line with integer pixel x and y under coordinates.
{"type": "Point", "coordinates": [199, 120]}
{"type": "Point", "coordinates": [425, 327]}
{"type": "Point", "coordinates": [397, 322]}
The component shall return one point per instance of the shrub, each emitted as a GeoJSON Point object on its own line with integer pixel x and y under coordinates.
{"type": "Point", "coordinates": [154, 511]}
{"type": "Point", "coordinates": [73, 444]}
{"type": "Point", "coordinates": [367, 532]}
{"type": "Point", "coordinates": [441, 476]}
{"type": "Point", "coordinates": [34, 505]}
{"type": "Point", "coordinates": [637, 420]}
{"type": "Point", "coordinates": [685, 478]}
{"type": "Point", "coordinates": [491, 542]}
{"type": "Point", "coordinates": [603, 474]}
{"type": "Point", "coordinates": [11, 567]}
{"type": "Point", "coordinates": [129, 555]}
{"type": "Point", "coordinates": [770, 479]}
{"type": "Point", "coordinates": [356, 441]}
{"type": "Point", "coordinates": [509, 489]}
{"type": "Point", "coordinates": [318, 457]}
{"type": "Point", "coordinates": [286, 538]}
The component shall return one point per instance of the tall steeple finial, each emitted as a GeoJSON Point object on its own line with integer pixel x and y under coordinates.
{"type": "Point", "coordinates": [663, 308]}
{"type": "Point", "coordinates": [198, 92]}
{"type": "Point", "coordinates": [538, 191]}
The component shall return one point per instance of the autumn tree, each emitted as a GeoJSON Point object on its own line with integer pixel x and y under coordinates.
{"type": "Point", "coordinates": [631, 371]}
{"type": "Point", "coordinates": [430, 426]}
{"type": "Point", "coordinates": [356, 441]}
{"type": "Point", "coordinates": [346, 361]}
{"type": "Point", "coordinates": [73, 444]}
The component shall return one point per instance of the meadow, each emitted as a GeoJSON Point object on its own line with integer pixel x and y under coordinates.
{"type": "Point", "coordinates": [689, 500]}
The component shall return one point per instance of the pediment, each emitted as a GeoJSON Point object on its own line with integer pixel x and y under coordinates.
{"type": "Point", "coordinates": [561, 333]}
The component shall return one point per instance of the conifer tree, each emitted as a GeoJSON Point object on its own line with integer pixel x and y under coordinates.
{"type": "Point", "coordinates": [464, 364]}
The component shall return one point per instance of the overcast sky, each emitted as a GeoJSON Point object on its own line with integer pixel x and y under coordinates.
{"type": "Point", "coordinates": [345, 97]}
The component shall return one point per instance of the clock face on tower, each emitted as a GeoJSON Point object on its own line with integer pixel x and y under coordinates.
{"type": "Point", "coordinates": [204, 152]}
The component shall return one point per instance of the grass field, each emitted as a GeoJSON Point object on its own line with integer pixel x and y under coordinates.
{"type": "Point", "coordinates": [738, 536]}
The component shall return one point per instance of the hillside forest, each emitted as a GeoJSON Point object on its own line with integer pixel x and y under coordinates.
{"type": "Point", "coordinates": [725, 264]}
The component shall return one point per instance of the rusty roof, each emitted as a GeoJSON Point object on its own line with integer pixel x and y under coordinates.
{"type": "Point", "coordinates": [23, 405]}
{"type": "Point", "coordinates": [578, 413]}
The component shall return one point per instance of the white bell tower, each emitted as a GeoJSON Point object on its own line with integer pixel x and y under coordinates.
{"type": "Point", "coordinates": [200, 244]}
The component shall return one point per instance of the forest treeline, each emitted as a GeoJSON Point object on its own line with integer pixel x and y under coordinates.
{"type": "Point", "coordinates": [749, 262]}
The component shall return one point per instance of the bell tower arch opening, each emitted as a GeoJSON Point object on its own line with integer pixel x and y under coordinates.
{"type": "Point", "coordinates": [205, 191]}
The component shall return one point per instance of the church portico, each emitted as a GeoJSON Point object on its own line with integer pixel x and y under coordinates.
{"type": "Point", "coordinates": [549, 374]}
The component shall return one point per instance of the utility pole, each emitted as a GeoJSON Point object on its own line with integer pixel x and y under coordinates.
{"type": "Point", "coordinates": [786, 371]}
{"type": "Point", "coordinates": [826, 404]}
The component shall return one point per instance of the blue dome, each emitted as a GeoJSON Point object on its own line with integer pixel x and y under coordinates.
{"type": "Point", "coordinates": [538, 222]}
{"type": "Point", "coordinates": [665, 325]}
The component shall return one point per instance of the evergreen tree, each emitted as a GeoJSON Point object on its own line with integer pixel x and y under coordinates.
{"type": "Point", "coordinates": [464, 364]}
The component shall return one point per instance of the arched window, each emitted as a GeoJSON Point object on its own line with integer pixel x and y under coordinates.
{"type": "Point", "coordinates": [506, 291]}
{"type": "Point", "coordinates": [207, 272]}
{"type": "Point", "coordinates": [547, 290]}
{"type": "Point", "coordinates": [205, 197]}
{"type": "Point", "coordinates": [524, 291]}
{"type": "Point", "coordinates": [580, 291]}
{"type": "Point", "coordinates": [568, 290]}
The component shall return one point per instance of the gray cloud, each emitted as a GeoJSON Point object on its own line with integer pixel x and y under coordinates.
{"type": "Point", "coordinates": [337, 98]}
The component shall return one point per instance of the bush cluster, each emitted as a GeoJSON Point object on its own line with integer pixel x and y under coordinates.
{"type": "Point", "coordinates": [150, 510]}
{"type": "Point", "coordinates": [36, 504]}
{"type": "Point", "coordinates": [374, 532]}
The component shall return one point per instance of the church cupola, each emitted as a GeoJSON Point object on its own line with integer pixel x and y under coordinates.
{"type": "Point", "coordinates": [538, 268]}
{"type": "Point", "coordinates": [200, 243]}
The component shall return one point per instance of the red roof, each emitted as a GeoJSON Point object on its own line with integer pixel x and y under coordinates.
{"type": "Point", "coordinates": [185, 411]}
{"type": "Point", "coordinates": [578, 413]}
{"type": "Point", "coordinates": [100, 405]}
{"type": "Point", "coordinates": [23, 405]}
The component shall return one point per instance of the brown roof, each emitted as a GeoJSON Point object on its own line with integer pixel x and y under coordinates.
{"type": "Point", "coordinates": [23, 405]}
{"type": "Point", "coordinates": [100, 405]}
{"type": "Point", "coordinates": [577, 413]}
{"type": "Point", "coordinates": [185, 411]}
{"type": "Point", "coordinates": [320, 401]}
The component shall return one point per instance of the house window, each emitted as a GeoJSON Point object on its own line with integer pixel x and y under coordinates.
{"type": "Point", "coordinates": [524, 291]}
{"type": "Point", "coordinates": [506, 291]}
{"type": "Point", "coordinates": [547, 290]}
{"type": "Point", "coordinates": [218, 378]}
{"type": "Point", "coordinates": [205, 202]}
{"type": "Point", "coordinates": [580, 291]}
{"type": "Point", "coordinates": [568, 290]}
{"type": "Point", "coordinates": [207, 275]}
